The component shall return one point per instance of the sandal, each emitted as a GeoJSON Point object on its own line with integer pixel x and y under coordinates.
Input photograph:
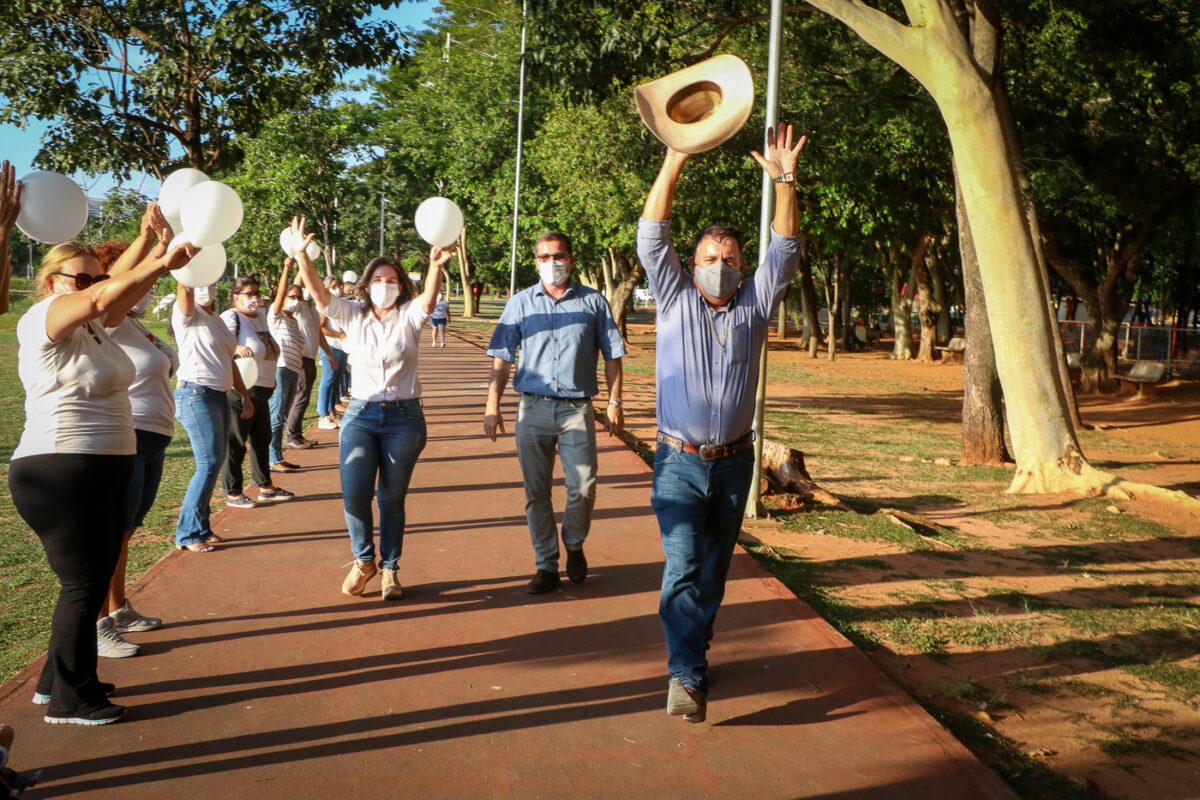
{"type": "Point", "coordinates": [196, 547]}
{"type": "Point", "coordinates": [212, 538]}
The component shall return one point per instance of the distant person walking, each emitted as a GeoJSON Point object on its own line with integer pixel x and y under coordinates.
{"type": "Point", "coordinates": [438, 321]}
{"type": "Point", "coordinates": [711, 327]}
{"type": "Point", "coordinates": [560, 328]}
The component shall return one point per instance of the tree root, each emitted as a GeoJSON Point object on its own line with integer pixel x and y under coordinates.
{"type": "Point", "coordinates": [1072, 474]}
{"type": "Point", "coordinates": [784, 471]}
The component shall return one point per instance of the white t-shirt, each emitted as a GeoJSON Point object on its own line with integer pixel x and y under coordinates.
{"type": "Point", "coordinates": [254, 333]}
{"type": "Point", "coordinates": [205, 349]}
{"type": "Point", "coordinates": [76, 390]}
{"type": "Point", "coordinates": [382, 353]}
{"type": "Point", "coordinates": [286, 331]}
{"type": "Point", "coordinates": [440, 309]}
{"type": "Point", "coordinates": [154, 361]}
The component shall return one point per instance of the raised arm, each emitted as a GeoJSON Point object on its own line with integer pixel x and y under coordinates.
{"type": "Point", "coordinates": [781, 161]}
{"type": "Point", "coordinates": [308, 272]}
{"type": "Point", "coordinates": [438, 256]}
{"type": "Point", "coordinates": [662, 193]}
{"type": "Point", "coordinates": [10, 207]}
{"type": "Point", "coordinates": [282, 289]}
{"type": "Point", "coordinates": [143, 249]}
{"type": "Point", "coordinates": [70, 311]}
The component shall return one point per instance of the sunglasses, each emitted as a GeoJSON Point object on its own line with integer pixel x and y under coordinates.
{"type": "Point", "coordinates": [552, 256]}
{"type": "Point", "coordinates": [82, 279]}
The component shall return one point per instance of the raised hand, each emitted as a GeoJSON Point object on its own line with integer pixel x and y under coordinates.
{"type": "Point", "coordinates": [440, 255]}
{"type": "Point", "coordinates": [10, 197]}
{"type": "Point", "coordinates": [781, 156]}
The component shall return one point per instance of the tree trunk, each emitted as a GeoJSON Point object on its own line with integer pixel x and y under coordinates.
{"type": "Point", "coordinates": [470, 301]}
{"type": "Point", "coordinates": [609, 271]}
{"type": "Point", "coordinates": [781, 333]}
{"type": "Point", "coordinates": [901, 314]}
{"type": "Point", "coordinates": [808, 303]}
{"type": "Point", "coordinates": [848, 337]}
{"type": "Point", "coordinates": [928, 305]}
{"type": "Point", "coordinates": [631, 275]}
{"type": "Point", "coordinates": [939, 270]}
{"type": "Point", "coordinates": [833, 306]}
{"type": "Point", "coordinates": [982, 414]}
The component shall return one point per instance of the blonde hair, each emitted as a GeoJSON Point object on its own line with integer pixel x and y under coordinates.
{"type": "Point", "coordinates": [53, 262]}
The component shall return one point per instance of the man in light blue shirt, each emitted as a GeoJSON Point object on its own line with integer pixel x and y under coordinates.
{"type": "Point", "coordinates": [560, 327]}
{"type": "Point", "coordinates": [711, 328]}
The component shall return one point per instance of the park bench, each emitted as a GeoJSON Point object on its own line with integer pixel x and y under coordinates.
{"type": "Point", "coordinates": [953, 350]}
{"type": "Point", "coordinates": [1143, 375]}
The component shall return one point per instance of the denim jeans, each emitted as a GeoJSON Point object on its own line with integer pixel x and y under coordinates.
{"type": "Point", "coordinates": [147, 475]}
{"type": "Point", "coordinates": [281, 403]}
{"type": "Point", "coordinates": [380, 442]}
{"type": "Point", "coordinates": [543, 425]}
{"type": "Point", "coordinates": [204, 414]}
{"type": "Point", "coordinates": [699, 505]}
{"type": "Point", "coordinates": [327, 389]}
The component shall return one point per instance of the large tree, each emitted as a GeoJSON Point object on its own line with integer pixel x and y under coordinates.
{"type": "Point", "coordinates": [150, 84]}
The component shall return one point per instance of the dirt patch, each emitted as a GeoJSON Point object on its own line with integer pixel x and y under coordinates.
{"type": "Point", "coordinates": [1058, 636]}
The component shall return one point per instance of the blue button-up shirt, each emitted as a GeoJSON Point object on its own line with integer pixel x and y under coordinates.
{"type": "Point", "coordinates": [559, 340]}
{"type": "Point", "coordinates": [707, 359]}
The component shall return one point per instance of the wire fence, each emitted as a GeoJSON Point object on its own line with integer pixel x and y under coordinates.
{"type": "Point", "coordinates": [1178, 348]}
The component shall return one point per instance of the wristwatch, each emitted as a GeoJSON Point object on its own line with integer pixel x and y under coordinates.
{"type": "Point", "coordinates": [616, 403]}
{"type": "Point", "coordinates": [787, 177]}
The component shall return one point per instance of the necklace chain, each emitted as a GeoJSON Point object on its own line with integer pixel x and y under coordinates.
{"type": "Point", "coordinates": [713, 324]}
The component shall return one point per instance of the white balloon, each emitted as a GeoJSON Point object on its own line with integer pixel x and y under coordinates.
{"type": "Point", "coordinates": [285, 242]}
{"type": "Point", "coordinates": [170, 196]}
{"type": "Point", "coordinates": [175, 222]}
{"type": "Point", "coordinates": [211, 212]}
{"type": "Point", "coordinates": [205, 268]}
{"type": "Point", "coordinates": [439, 221]}
{"type": "Point", "coordinates": [313, 250]}
{"type": "Point", "coordinates": [54, 208]}
{"type": "Point", "coordinates": [249, 369]}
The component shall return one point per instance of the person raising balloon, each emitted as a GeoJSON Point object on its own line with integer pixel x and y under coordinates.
{"type": "Point", "coordinates": [383, 430]}
{"type": "Point", "coordinates": [70, 473]}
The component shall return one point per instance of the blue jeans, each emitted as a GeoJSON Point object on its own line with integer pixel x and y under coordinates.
{"type": "Point", "coordinates": [379, 443]}
{"type": "Point", "coordinates": [204, 414]}
{"type": "Point", "coordinates": [327, 395]}
{"type": "Point", "coordinates": [147, 475]}
{"type": "Point", "coordinates": [281, 403]}
{"type": "Point", "coordinates": [699, 505]}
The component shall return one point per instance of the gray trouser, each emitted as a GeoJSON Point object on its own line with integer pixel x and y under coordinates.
{"type": "Point", "coordinates": [544, 423]}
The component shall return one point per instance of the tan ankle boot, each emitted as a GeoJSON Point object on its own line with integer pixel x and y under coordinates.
{"type": "Point", "coordinates": [391, 586]}
{"type": "Point", "coordinates": [356, 581]}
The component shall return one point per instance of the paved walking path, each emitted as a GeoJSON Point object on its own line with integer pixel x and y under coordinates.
{"type": "Point", "coordinates": [267, 682]}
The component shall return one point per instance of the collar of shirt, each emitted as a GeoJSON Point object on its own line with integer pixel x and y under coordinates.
{"type": "Point", "coordinates": [570, 292]}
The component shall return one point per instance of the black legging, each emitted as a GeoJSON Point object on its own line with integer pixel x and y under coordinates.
{"type": "Point", "coordinates": [256, 431]}
{"type": "Point", "coordinates": [75, 503]}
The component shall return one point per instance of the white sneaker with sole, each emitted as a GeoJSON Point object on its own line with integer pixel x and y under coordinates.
{"type": "Point", "coordinates": [126, 620]}
{"type": "Point", "coordinates": [109, 643]}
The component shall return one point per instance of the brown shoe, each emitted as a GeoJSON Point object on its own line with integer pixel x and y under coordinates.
{"type": "Point", "coordinates": [391, 586]}
{"type": "Point", "coordinates": [356, 581]}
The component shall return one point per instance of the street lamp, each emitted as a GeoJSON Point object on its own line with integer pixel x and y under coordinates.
{"type": "Point", "coordinates": [382, 202]}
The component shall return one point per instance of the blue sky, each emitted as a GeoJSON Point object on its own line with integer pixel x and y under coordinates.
{"type": "Point", "coordinates": [21, 145]}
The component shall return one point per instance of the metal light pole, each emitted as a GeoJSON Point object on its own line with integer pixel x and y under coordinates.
{"type": "Point", "coordinates": [753, 504]}
{"type": "Point", "coordinates": [512, 279]}
{"type": "Point", "coordinates": [382, 200]}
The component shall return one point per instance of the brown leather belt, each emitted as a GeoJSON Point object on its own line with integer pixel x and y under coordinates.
{"type": "Point", "coordinates": [709, 452]}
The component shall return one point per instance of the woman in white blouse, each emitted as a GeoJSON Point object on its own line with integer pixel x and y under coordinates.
{"type": "Point", "coordinates": [383, 429]}
{"type": "Point", "coordinates": [70, 473]}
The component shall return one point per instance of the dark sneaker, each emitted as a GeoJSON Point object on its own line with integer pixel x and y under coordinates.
{"type": "Point", "coordinates": [297, 444]}
{"type": "Point", "coordinates": [686, 702]}
{"type": "Point", "coordinates": [544, 581]}
{"type": "Point", "coordinates": [284, 466]}
{"type": "Point", "coordinates": [239, 501]}
{"type": "Point", "coordinates": [101, 716]}
{"type": "Point", "coordinates": [576, 566]}
{"type": "Point", "coordinates": [40, 699]}
{"type": "Point", "coordinates": [275, 496]}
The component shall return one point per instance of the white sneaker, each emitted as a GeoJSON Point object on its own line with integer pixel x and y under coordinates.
{"type": "Point", "coordinates": [126, 620]}
{"type": "Point", "coordinates": [109, 643]}
{"type": "Point", "coordinates": [327, 424]}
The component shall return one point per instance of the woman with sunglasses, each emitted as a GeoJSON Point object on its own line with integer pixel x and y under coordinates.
{"type": "Point", "coordinates": [206, 377]}
{"type": "Point", "coordinates": [70, 472]}
{"type": "Point", "coordinates": [254, 340]}
{"type": "Point", "coordinates": [383, 429]}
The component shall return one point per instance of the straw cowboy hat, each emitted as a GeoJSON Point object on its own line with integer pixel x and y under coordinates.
{"type": "Point", "coordinates": [697, 108]}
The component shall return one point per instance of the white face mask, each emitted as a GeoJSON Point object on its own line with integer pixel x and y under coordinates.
{"type": "Point", "coordinates": [140, 306]}
{"type": "Point", "coordinates": [553, 272]}
{"type": "Point", "coordinates": [383, 295]}
{"type": "Point", "coordinates": [203, 296]}
{"type": "Point", "coordinates": [335, 292]}
{"type": "Point", "coordinates": [291, 304]}
{"type": "Point", "coordinates": [251, 305]}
